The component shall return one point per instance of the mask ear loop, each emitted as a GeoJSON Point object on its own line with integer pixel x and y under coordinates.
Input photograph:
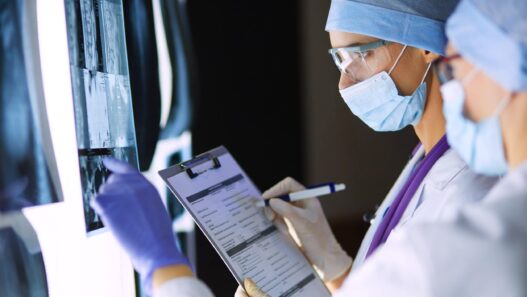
{"type": "Point", "coordinates": [397, 60]}
{"type": "Point", "coordinates": [502, 105]}
{"type": "Point", "coordinates": [426, 73]}
{"type": "Point", "coordinates": [471, 75]}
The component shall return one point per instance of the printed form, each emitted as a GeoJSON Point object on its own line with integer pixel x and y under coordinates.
{"type": "Point", "coordinates": [221, 201]}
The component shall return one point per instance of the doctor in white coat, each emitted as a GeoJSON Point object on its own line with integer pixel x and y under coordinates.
{"type": "Point", "coordinates": [477, 249]}
{"type": "Point", "coordinates": [394, 67]}
{"type": "Point", "coordinates": [384, 50]}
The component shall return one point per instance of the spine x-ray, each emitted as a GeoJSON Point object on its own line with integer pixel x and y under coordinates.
{"type": "Point", "coordinates": [101, 91]}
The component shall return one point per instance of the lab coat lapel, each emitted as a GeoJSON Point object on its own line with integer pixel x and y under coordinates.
{"type": "Point", "coordinates": [392, 194]}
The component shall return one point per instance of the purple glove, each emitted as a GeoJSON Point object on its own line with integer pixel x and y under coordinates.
{"type": "Point", "coordinates": [132, 209]}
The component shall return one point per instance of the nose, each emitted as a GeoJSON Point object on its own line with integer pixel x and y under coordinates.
{"type": "Point", "coordinates": [345, 81]}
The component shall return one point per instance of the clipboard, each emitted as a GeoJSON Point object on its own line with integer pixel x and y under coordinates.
{"type": "Point", "coordinates": [221, 198]}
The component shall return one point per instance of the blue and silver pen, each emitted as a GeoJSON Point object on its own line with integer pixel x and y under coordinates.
{"type": "Point", "coordinates": [314, 191]}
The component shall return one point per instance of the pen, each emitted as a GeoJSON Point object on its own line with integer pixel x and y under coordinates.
{"type": "Point", "coordinates": [314, 191]}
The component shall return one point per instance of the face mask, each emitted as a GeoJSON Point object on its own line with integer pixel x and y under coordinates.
{"type": "Point", "coordinates": [479, 144]}
{"type": "Point", "coordinates": [376, 101]}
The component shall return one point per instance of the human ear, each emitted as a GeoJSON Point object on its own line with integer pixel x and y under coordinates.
{"type": "Point", "coordinates": [430, 56]}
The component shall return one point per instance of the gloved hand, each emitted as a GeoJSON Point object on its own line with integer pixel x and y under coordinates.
{"type": "Point", "coordinates": [305, 221]}
{"type": "Point", "coordinates": [252, 290]}
{"type": "Point", "coordinates": [132, 209]}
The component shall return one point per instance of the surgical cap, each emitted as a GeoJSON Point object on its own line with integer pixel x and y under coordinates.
{"type": "Point", "coordinates": [493, 36]}
{"type": "Point", "coordinates": [418, 23]}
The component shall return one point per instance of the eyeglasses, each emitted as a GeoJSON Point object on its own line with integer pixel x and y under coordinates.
{"type": "Point", "coordinates": [444, 69]}
{"type": "Point", "coordinates": [361, 62]}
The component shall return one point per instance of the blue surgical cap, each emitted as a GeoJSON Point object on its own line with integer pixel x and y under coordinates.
{"type": "Point", "coordinates": [493, 36]}
{"type": "Point", "coordinates": [417, 23]}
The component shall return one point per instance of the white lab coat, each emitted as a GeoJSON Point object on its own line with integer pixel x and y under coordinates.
{"type": "Point", "coordinates": [449, 183]}
{"type": "Point", "coordinates": [479, 249]}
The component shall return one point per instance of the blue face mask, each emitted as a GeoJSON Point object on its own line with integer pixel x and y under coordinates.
{"type": "Point", "coordinates": [376, 101]}
{"type": "Point", "coordinates": [479, 144]}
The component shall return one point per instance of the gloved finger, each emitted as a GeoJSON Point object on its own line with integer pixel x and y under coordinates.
{"type": "Point", "coordinates": [117, 166]}
{"type": "Point", "coordinates": [286, 186]}
{"type": "Point", "coordinates": [122, 183]}
{"type": "Point", "coordinates": [252, 289]}
{"type": "Point", "coordinates": [240, 292]}
{"type": "Point", "coordinates": [108, 188]}
{"type": "Point", "coordinates": [269, 213]}
{"type": "Point", "coordinates": [114, 186]}
{"type": "Point", "coordinates": [281, 225]}
{"type": "Point", "coordinates": [297, 215]}
{"type": "Point", "coordinates": [96, 205]}
{"type": "Point", "coordinates": [112, 193]}
{"type": "Point", "coordinates": [307, 204]}
{"type": "Point", "coordinates": [282, 208]}
{"type": "Point", "coordinates": [102, 202]}
{"type": "Point", "coordinates": [125, 179]}
{"type": "Point", "coordinates": [284, 229]}
{"type": "Point", "coordinates": [304, 203]}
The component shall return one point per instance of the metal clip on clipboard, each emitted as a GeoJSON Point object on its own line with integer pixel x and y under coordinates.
{"type": "Point", "coordinates": [187, 166]}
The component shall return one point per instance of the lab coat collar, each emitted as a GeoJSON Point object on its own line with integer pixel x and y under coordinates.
{"type": "Point", "coordinates": [445, 170]}
{"type": "Point", "coordinates": [515, 182]}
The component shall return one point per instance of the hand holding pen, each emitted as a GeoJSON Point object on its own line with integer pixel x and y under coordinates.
{"type": "Point", "coordinates": [305, 223]}
{"type": "Point", "coordinates": [310, 192]}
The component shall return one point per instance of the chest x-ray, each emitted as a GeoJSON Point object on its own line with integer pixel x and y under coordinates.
{"type": "Point", "coordinates": [101, 91]}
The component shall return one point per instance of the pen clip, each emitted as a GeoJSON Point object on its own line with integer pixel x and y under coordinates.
{"type": "Point", "coordinates": [187, 166]}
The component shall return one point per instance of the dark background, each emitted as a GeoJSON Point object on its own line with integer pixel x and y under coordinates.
{"type": "Point", "coordinates": [249, 85]}
{"type": "Point", "coordinates": [249, 99]}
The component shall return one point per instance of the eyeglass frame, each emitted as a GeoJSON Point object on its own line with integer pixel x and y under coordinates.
{"type": "Point", "coordinates": [356, 49]}
{"type": "Point", "coordinates": [361, 48]}
{"type": "Point", "coordinates": [437, 66]}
